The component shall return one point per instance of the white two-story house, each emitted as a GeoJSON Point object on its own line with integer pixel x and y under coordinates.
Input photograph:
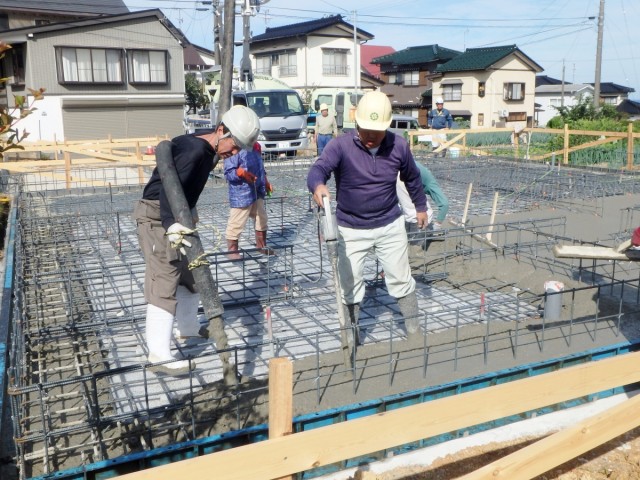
{"type": "Point", "coordinates": [308, 55]}
{"type": "Point", "coordinates": [490, 86]}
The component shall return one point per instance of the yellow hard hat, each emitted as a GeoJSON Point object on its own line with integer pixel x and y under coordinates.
{"type": "Point", "coordinates": [374, 112]}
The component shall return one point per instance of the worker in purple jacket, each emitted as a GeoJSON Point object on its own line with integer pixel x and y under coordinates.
{"type": "Point", "coordinates": [366, 164]}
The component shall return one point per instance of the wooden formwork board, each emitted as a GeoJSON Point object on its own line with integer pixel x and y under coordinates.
{"type": "Point", "coordinates": [310, 449]}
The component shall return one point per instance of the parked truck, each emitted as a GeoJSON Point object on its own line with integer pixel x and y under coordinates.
{"type": "Point", "coordinates": [283, 119]}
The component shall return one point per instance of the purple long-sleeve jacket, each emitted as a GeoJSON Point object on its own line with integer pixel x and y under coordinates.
{"type": "Point", "coordinates": [366, 184]}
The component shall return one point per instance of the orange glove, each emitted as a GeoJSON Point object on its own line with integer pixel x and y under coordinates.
{"type": "Point", "coordinates": [269, 188]}
{"type": "Point", "coordinates": [246, 175]}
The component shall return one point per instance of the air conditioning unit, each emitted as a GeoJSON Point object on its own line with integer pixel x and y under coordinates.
{"type": "Point", "coordinates": [504, 113]}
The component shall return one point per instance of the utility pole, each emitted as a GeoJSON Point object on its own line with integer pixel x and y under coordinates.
{"type": "Point", "coordinates": [562, 86]}
{"type": "Point", "coordinates": [356, 65]}
{"type": "Point", "coordinates": [246, 71]}
{"type": "Point", "coordinates": [226, 72]}
{"type": "Point", "coordinates": [217, 27]}
{"type": "Point", "coordinates": [596, 86]}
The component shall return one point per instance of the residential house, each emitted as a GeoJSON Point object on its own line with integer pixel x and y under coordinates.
{"type": "Point", "coordinates": [407, 76]}
{"type": "Point", "coordinates": [27, 13]}
{"type": "Point", "coordinates": [612, 93]}
{"type": "Point", "coordinates": [490, 86]}
{"type": "Point", "coordinates": [551, 96]}
{"type": "Point", "coordinates": [631, 108]}
{"type": "Point", "coordinates": [120, 75]}
{"type": "Point", "coordinates": [308, 55]}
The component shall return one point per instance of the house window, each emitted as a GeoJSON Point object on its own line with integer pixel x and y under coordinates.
{"type": "Point", "coordinates": [609, 100]}
{"type": "Point", "coordinates": [513, 91]}
{"type": "Point", "coordinates": [147, 66]}
{"type": "Point", "coordinates": [452, 92]}
{"type": "Point", "coordinates": [334, 63]}
{"type": "Point", "coordinates": [89, 65]}
{"type": "Point", "coordinates": [288, 65]}
{"type": "Point", "coordinates": [263, 64]}
{"type": "Point", "coordinates": [412, 79]}
{"type": "Point", "coordinates": [17, 58]}
{"type": "Point", "coordinates": [517, 117]}
{"type": "Point", "coordinates": [481, 119]}
{"type": "Point", "coordinates": [555, 102]}
{"type": "Point", "coordinates": [481, 89]}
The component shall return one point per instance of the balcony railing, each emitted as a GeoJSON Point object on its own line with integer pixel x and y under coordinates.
{"type": "Point", "coordinates": [335, 70]}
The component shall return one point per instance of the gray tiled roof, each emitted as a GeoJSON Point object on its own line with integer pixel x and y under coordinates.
{"type": "Point", "coordinates": [305, 28]}
{"type": "Point", "coordinates": [67, 7]}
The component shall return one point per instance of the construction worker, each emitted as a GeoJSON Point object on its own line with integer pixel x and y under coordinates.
{"type": "Point", "coordinates": [248, 185]}
{"type": "Point", "coordinates": [439, 118]}
{"type": "Point", "coordinates": [326, 127]}
{"type": "Point", "coordinates": [432, 190]}
{"type": "Point", "coordinates": [366, 164]}
{"type": "Point", "coordinates": [169, 286]}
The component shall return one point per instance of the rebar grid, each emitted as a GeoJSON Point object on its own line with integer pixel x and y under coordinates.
{"type": "Point", "coordinates": [81, 390]}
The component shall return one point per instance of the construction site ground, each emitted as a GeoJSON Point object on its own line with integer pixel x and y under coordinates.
{"type": "Point", "coordinates": [84, 392]}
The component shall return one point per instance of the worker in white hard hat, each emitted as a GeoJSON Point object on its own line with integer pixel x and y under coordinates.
{"type": "Point", "coordinates": [366, 164]}
{"type": "Point", "coordinates": [169, 286]}
{"type": "Point", "coordinates": [326, 127]}
{"type": "Point", "coordinates": [439, 118]}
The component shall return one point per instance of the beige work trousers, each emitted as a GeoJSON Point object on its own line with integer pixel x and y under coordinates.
{"type": "Point", "coordinates": [166, 267]}
{"type": "Point", "coordinates": [238, 219]}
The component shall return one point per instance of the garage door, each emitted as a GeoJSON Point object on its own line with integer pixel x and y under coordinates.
{"type": "Point", "coordinates": [91, 123]}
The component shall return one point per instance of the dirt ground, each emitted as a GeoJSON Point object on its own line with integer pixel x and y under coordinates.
{"type": "Point", "coordinates": [618, 459]}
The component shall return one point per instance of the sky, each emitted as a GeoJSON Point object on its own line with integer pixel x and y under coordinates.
{"type": "Point", "coordinates": [559, 35]}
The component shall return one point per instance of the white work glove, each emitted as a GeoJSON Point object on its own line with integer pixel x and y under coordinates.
{"type": "Point", "coordinates": [176, 233]}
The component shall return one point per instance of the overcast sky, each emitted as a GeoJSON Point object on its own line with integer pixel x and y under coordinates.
{"type": "Point", "coordinates": [552, 32]}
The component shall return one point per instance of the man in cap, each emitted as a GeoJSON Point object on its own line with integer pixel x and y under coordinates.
{"type": "Point", "coordinates": [326, 128]}
{"type": "Point", "coordinates": [439, 118]}
{"type": "Point", "coordinates": [169, 286]}
{"type": "Point", "coordinates": [366, 164]}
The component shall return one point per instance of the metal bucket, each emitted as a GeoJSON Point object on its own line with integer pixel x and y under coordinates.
{"type": "Point", "coordinates": [553, 300]}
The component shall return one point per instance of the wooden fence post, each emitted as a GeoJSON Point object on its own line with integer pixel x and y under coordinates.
{"type": "Point", "coordinates": [566, 145]}
{"type": "Point", "coordinates": [67, 169]}
{"type": "Point", "coordinates": [630, 146]}
{"type": "Point", "coordinates": [280, 399]}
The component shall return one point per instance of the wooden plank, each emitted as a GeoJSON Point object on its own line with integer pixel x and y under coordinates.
{"type": "Point", "coordinates": [559, 448]}
{"type": "Point", "coordinates": [587, 251]}
{"type": "Point", "coordinates": [281, 399]}
{"type": "Point", "coordinates": [322, 446]}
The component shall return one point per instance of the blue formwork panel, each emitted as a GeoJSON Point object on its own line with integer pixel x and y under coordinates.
{"type": "Point", "coordinates": [163, 455]}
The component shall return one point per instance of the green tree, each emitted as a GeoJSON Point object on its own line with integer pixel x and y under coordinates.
{"type": "Point", "coordinates": [193, 92]}
{"type": "Point", "coordinates": [10, 137]}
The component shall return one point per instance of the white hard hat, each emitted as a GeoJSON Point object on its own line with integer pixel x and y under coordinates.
{"type": "Point", "coordinates": [324, 106]}
{"type": "Point", "coordinates": [243, 125]}
{"type": "Point", "coordinates": [374, 111]}
{"type": "Point", "coordinates": [439, 100]}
